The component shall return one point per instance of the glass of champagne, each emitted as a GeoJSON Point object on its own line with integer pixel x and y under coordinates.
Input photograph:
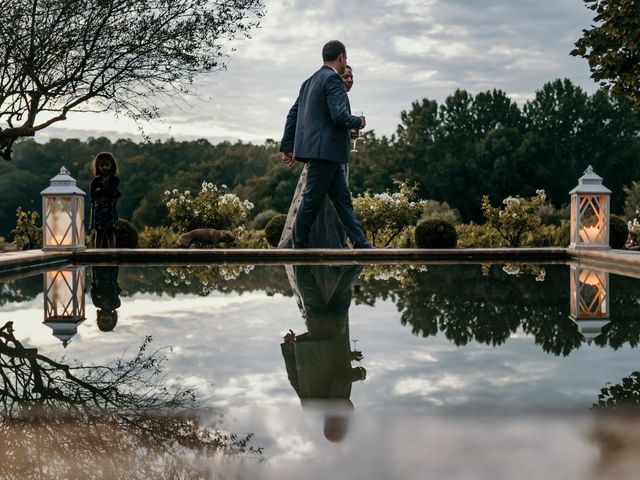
{"type": "Point", "coordinates": [357, 133]}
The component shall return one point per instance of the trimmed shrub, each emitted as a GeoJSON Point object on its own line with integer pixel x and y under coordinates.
{"type": "Point", "coordinates": [273, 230]}
{"type": "Point", "coordinates": [473, 235]}
{"type": "Point", "coordinates": [618, 231]}
{"type": "Point", "coordinates": [157, 237]}
{"type": "Point", "coordinates": [436, 233]}
{"type": "Point", "coordinates": [434, 210]}
{"type": "Point", "coordinates": [550, 235]}
{"type": "Point", "coordinates": [252, 239]}
{"type": "Point", "coordinates": [260, 221]}
{"type": "Point", "coordinates": [127, 235]}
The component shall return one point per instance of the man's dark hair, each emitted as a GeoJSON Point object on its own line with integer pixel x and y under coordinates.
{"type": "Point", "coordinates": [332, 50]}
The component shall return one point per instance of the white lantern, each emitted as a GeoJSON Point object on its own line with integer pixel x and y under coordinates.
{"type": "Point", "coordinates": [589, 291]}
{"type": "Point", "coordinates": [63, 214]}
{"type": "Point", "coordinates": [64, 306]}
{"type": "Point", "coordinates": [590, 212]}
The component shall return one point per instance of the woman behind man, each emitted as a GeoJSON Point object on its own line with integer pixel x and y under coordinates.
{"type": "Point", "coordinates": [326, 231]}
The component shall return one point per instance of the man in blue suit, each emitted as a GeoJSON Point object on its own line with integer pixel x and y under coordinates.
{"type": "Point", "coordinates": [317, 132]}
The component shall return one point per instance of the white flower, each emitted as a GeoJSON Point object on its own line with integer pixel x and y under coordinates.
{"type": "Point", "coordinates": [175, 190]}
{"type": "Point", "coordinates": [187, 192]}
{"type": "Point", "coordinates": [223, 186]}
{"type": "Point", "coordinates": [514, 215]}
{"type": "Point", "coordinates": [511, 269]}
{"type": "Point", "coordinates": [167, 192]}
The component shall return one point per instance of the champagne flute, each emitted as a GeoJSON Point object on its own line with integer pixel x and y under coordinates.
{"type": "Point", "coordinates": [357, 133]}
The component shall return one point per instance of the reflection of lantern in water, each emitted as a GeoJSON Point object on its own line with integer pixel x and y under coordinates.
{"type": "Point", "coordinates": [589, 291]}
{"type": "Point", "coordinates": [63, 214]}
{"type": "Point", "coordinates": [64, 301]}
{"type": "Point", "coordinates": [590, 212]}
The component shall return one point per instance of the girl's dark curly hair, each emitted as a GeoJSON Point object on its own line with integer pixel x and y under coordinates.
{"type": "Point", "coordinates": [101, 157]}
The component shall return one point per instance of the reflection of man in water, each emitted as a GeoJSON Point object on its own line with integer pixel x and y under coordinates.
{"type": "Point", "coordinates": [105, 293]}
{"type": "Point", "coordinates": [318, 362]}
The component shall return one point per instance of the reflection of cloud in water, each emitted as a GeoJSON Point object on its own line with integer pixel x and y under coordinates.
{"type": "Point", "coordinates": [257, 388]}
{"type": "Point", "coordinates": [426, 386]}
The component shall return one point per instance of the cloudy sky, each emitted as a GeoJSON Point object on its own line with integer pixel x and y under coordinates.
{"type": "Point", "coordinates": [401, 51]}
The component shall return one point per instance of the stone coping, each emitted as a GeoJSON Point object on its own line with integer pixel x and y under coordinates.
{"type": "Point", "coordinates": [622, 262]}
{"type": "Point", "coordinates": [277, 256]}
{"type": "Point", "coordinates": [17, 262]}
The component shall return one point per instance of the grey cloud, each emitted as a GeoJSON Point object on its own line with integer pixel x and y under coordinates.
{"type": "Point", "coordinates": [515, 46]}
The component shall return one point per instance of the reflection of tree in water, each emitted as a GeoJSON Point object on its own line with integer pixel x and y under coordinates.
{"type": "Point", "coordinates": [624, 327]}
{"type": "Point", "coordinates": [116, 421]}
{"type": "Point", "coordinates": [615, 430]}
{"type": "Point", "coordinates": [623, 394]}
{"type": "Point", "coordinates": [468, 303]}
{"type": "Point", "coordinates": [20, 290]}
{"type": "Point", "coordinates": [203, 279]}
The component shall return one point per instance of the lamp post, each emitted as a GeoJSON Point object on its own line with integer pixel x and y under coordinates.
{"type": "Point", "coordinates": [590, 212]}
{"type": "Point", "coordinates": [64, 306]}
{"type": "Point", "coordinates": [63, 214]}
{"type": "Point", "coordinates": [589, 290]}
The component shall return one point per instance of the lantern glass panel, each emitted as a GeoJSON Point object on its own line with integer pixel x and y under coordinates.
{"type": "Point", "coordinates": [58, 221]}
{"type": "Point", "coordinates": [593, 218]}
{"type": "Point", "coordinates": [80, 220]}
{"type": "Point", "coordinates": [59, 294]}
{"type": "Point", "coordinates": [592, 294]}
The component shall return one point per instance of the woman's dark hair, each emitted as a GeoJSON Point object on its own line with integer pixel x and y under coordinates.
{"type": "Point", "coordinates": [332, 50]}
{"type": "Point", "coordinates": [349, 67]}
{"type": "Point", "coordinates": [102, 157]}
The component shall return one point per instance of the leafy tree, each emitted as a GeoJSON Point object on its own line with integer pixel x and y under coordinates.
{"type": "Point", "coordinates": [121, 420]}
{"type": "Point", "coordinates": [28, 234]}
{"type": "Point", "coordinates": [612, 47]}
{"type": "Point", "coordinates": [61, 56]}
{"type": "Point", "coordinates": [632, 200]}
{"type": "Point", "coordinates": [519, 217]}
{"type": "Point", "coordinates": [386, 215]}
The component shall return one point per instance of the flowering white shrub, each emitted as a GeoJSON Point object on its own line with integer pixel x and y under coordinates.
{"type": "Point", "coordinates": [208, 277]}
{"type": "Point", "coordinates": [519, 269]}
{"type": "Point", "coordinates": [212, 207]}
{"type": "Point", "coordinates": [634, 225]}
{"type": "Point", "coordinates": [519, 217]}
{"type": "Point", "coordinates": [386, 215]}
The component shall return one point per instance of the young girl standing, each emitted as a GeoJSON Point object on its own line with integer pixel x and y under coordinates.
{"type": "Point", "coordinates": [104, 194]}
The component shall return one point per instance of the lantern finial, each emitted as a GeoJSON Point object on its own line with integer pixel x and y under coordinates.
{"type": "Point", "coordinates": [64, 171]}
{"type": "Point", "coordinates": [588, 170]}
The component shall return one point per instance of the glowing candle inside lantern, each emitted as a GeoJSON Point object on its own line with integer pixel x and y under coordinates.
{"type": "Point", "coordinates": [589, 234]}
{"type": "Point", "coordinates": [590, 277]}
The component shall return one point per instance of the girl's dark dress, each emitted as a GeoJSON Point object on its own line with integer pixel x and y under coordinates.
{"type": "Point", "coordinates": [104, 213]}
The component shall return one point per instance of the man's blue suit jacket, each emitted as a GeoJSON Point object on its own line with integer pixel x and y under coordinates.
{"type": "Point", "coordinates": [318, 124]}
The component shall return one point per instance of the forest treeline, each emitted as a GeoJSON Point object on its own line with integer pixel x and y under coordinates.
{"type": "Point", "coordinates": [457, 151]}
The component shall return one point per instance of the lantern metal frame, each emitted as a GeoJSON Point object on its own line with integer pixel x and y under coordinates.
{"type": "Point", "coordinates": [64, 301]}
{"type": "Point", "coordinates": [589, 300]}
{"type": "Point", "coordinates": [63, 214]}
{"type": "Point", "coordinates": [590, 212]}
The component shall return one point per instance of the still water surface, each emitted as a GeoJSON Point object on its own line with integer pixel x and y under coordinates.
{"type": "Point", "coordinates": [467, 371]}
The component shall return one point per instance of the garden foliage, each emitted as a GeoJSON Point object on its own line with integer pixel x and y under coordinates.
{"type": "Point", "coordinates": [211, 207]}
{"type": "Point", "coordinates": [386, 215]}
{"type": "Point", "coordinates": [27, 234]}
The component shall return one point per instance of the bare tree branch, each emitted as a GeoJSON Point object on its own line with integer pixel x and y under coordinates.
{"type": "Point", "coordinates": [120, 55]}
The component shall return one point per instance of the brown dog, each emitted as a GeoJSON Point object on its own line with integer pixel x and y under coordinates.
{"type": "Point", "coordinates": [206, 236]}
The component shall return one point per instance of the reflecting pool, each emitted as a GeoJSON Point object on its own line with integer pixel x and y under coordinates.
{"type": "Point", "coordinates": [320, 371]}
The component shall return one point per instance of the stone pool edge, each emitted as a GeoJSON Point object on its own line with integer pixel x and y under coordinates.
{"type": "Point", "coordinates": [616, 261]}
